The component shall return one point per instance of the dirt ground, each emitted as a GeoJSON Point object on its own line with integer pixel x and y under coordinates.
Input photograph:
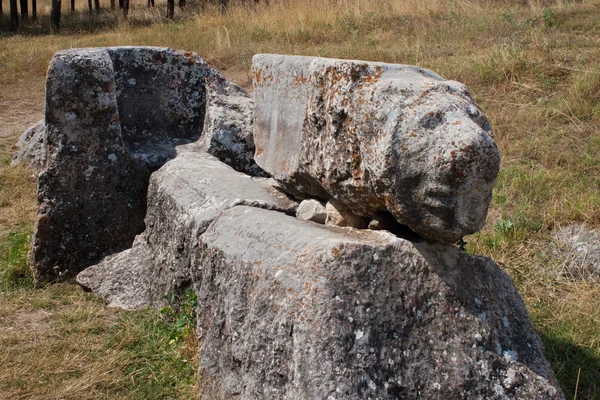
{"type": "Point", "coordinates": [19, 109]}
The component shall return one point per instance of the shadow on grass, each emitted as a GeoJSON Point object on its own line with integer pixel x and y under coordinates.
{"type": "Point", "coordinates": [567, 360]}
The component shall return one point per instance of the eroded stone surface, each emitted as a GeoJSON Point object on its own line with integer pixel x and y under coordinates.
{"type": "Point", "coordinates": [184, 197]}
{"type": "Point", "coordinates": [161, 93]}
{"type": "Point", "coordinates": [228, 126]}
{"type": "Point", "coordinates": [288, 309]}
{"type": "Point", "coordinates": [113, 116]}
{"type": "Point", "coordinates": [377, 137]}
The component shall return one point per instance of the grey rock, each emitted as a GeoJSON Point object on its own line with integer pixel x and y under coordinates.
{"type": "Point", "coordinates": [113, 116]}
{"type": "Point", "coordinates": [184, 197]}
{"type": "Point", "coordinates": [376, 137]}
{"type": "Point", "coordinates": [289, 309]}
{"type": "Point", "coordinates": [31, 147]}
{"type": "Point", "coordinates": [228, 125]}
{"type": "Point", "coordinates": [579, 249]}
{"type": "Point", "coordinates": [122, 279]}
{"type": "Point", "coordinates": [338, 214]}
{"type": "Point", "coordinates": [311, 210]}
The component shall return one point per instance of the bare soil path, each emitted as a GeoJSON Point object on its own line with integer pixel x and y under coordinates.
{"type": "Point", "coordinates": [19, 108]}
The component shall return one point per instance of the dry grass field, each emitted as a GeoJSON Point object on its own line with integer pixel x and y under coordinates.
{"type": "Point", "coordinates": [533, 67]}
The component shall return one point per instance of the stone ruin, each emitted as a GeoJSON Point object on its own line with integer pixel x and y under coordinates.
{"type": "Point", "coordinates": [112, 117]}
{"type": "Point", "coordinates": [314, 221]}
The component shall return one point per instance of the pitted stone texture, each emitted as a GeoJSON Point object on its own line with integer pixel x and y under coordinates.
{"type": "Point", "coordinates": [228, 126]}
{"type": "Point", "coordinates": [312, 210]}
{"type": "Point", "coordinates": [161, 93]}
{"type": "Point", "coordinates": [113, 116]}
{"type": "Point", "coordinates": [184, 197]}
{"type": "Point", "coordinates": [31, 147]}
{"type": "Point", "coordinates": [377, 137]}
{"type": "Point", "coordinates": [289, 309]}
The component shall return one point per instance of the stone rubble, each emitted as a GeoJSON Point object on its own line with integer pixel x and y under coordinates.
{"type": "Point", "coordinates": [312, 210]}
{"type": "Point", "coordinates": [289, 309]}
{"type": "Point", "coordinates": [579, 246]}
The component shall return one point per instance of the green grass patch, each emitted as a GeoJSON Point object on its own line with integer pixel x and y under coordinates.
{"type": "Point", "coordinates": [14, 249]}
{"type": "Point", "coordinates": [158, 367]}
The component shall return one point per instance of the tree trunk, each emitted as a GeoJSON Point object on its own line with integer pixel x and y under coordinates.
{"type": "Point", "coordinates": [55, 15]}
{"type": "Point", "coordinates": [90, 5]}
{"type": "Point", "coordinates": [125, 8]}
{"type": "Point", "coordinates": [1, 11]}
{"type": "Point", "coordinates": [72, 6]}
{"type": "Point", "coordinates": [24, 10]}
{"type": "Point", "coordinates": [121, 4]}
{"type": "Point", "coordinates": [97, 5]}
{"type": "Point", "coordinates": [112, 4]}
{"type": "Point", "coordinates": [33, 9]}
{"type": "Point", "coordinates": [150, 3]}
{"type": "Point", "coordinates": [181, 3]}
{"type": "Point", "coordinates": [170, 9]}
{"type": "Point", "coordinates": [223, 6]}
{"type": "Point", "coordinates": [14, 16]}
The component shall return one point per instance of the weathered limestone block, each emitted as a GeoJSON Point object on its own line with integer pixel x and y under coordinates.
{"type": "Point", "coordinates": [184, 197]}
{"type": "Point", "coordinates": [312, 210]}
{"type": "Point", "coordinates": [376, 137]}
{"type": "Point", "coordinates": [31, 147]}
{"type": "Point", "coordinates": [289, 309]}
{"type": "Point", "coordinates": [228, 126]}
{"type": "Point", "coordinates": [113, 116]}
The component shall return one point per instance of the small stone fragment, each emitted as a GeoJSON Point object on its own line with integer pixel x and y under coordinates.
{"type": "Point", "coordinates": [339, 214]}
{"type": "Point", "coordinates": [31, 147]}
{"type": "Point", "coordinates": [121, 279]}
{"type": "Point", "coordinates": [312, 210]}
{"type": "Point", "coordinates": [382, 221]}
{"type": "Point", "coordinates": [579, 247]}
